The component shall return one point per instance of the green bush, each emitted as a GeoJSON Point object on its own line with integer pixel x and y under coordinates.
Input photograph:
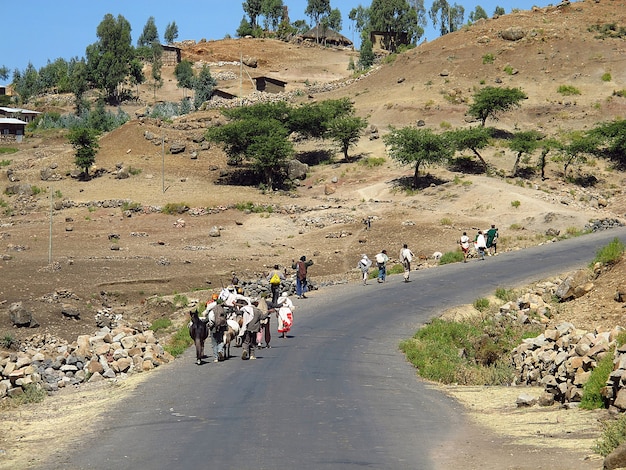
{"type": "Point", "coordinates": [180, 301]}
{"type": "Point", "coordinates": [606, 77]}
{"type": "Point", "coordinates": [451, 257]}
{"type": "Point", "coordinates": [592, 396]}
{"type": "Point", "coordinates": [515, 204]}
{"type": "Point", "coordinates": [613, 434]}
{"type": "Point", "coordinates": [568, 90]}
{"type": "Point", "coordinates": [609, 254]}
{"type": "Point", "coordinates": [488, 58]}
{"type": "Point", "coordinates": [172, 208]}
{"type": "Point", "coordinates": [481, 304]}
{"type": "Point", "coordinates": [371, 162]}
{"type": "Point", "coordinates": [506, 295]}
{"type": "Point", "coordinates": [254, 208]}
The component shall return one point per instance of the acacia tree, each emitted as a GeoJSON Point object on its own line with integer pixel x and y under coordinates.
{"type": "Point", "coordinates": [171, 32]}
{"type": "Point", "coordinates": [346, 131]}
{"type": "Point", "coordinates": [490, 101]}
{"type": "Point", "coordinates": [523, 142]}
{"type": "Point", "coordinates": [108, 59]}
{"type": "Point", "coordinates": [576, 148]}
{"type": "Point", "coordinates": [547, 146]}
{"type": "Point", "coordinates": [418, 147]}
{"type": "Point", "coordinates": [84, 140]}
{"type": "Point", "coordinates": [612, 137]}
{"type": "Point", "coordinates": [473, 139]}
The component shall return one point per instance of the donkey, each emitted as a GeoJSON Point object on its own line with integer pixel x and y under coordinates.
{"type": "Point", "coordinates": [199, 333]}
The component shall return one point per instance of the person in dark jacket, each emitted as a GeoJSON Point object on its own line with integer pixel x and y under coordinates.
{"type": "Point", "coordinates": [252, 318]}
{"type": "Point", "coordinates": [301, 268]}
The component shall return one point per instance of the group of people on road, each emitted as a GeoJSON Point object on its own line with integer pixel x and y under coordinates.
{"type": "Point", "coordinates": [364, 264]}
{"type": "Point", "coordinates": [485, 243]}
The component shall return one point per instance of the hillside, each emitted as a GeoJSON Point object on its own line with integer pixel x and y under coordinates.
{"type": "Point", "coordinates": [158, 255]}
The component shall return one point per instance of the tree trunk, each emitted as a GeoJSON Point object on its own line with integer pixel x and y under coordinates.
{"type": "Point", "coordinates": [416, 175]}
{"type": "Point", "coordinates": [516, 164]}
{"type": "Point", "coordinates": [480, 157]}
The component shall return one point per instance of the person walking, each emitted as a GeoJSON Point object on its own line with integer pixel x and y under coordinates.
{"type": "Point", "coordinates": [217, 327]}
{"type": "Point", "coordinates": [406, 256]}
{"type": "Point", "coordinates": [275, 278]}
{"type": "Point", "coordinates": [465, 245]}
{"type": "Point", "coordinates": [481, 245]}
{"type": "Point", "coordinates": [301, 268]}
{"type": "Point", "coordinates": [252, 317]}
{"type": "Point", "coordinates": [381, 261]}
{"type": "Point", "coordinates": [364, 265]}
{"type": "Point", "coordinates": [492, 240]}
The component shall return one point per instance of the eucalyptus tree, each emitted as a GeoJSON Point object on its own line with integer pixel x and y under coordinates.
{"type": "Point", "coordinates": [317, 9]}
{"type": "Point", "coordinates": [448, 17]}
{"type": "Point", "coordinates": [393, 17]}
{"type": "Point", "coordinates": [171, 32]}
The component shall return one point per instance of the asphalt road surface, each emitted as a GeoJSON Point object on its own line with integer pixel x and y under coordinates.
{"type": "Point", "coordinates": [336, 394]}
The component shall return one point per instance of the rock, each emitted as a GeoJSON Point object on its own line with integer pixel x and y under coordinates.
{"type": "Point", "coordinates": [296, 170]}
{"type": "Point", "coordinates": [19, 315]}
{"type": "Point", "coordinates": [525, 400]}
{"type": "Point", "coordinates": [251, 62]}
{"type": "Point", "coordinates": [567, 289]}
{"type": "Point", "coordinates": [177, 147]}
{"type": "Point", "coordinates": [617, 458]}
{"type": "Point", "coordinates": [70, 311]}
{"type": "Point", "coordinates": [214, 232]}
{"type": "Point", "coordinates": [512, 34]}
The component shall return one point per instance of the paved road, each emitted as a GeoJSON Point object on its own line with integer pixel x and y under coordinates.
{"type": "Point", "coordinates": [336, 395]}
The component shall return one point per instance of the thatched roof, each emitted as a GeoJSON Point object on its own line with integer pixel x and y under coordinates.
{"type": "Point", "coordinates": [327, 35]}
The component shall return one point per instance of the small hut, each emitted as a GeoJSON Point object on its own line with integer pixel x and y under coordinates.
{"type": "Point", "coordinates": [326, 36]}
{"type": "Point", "coordinates": [269, 85]}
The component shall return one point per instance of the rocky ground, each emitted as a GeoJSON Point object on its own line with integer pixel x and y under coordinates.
{"type": "Point", "coordinates": [60, 251]}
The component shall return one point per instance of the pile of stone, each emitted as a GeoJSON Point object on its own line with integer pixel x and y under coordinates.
{"type": "Point", "coordinates": [561, 360]}
{"type": "Point", "coordinates": [602, 224]}
{"type": "Point", "coordinates": [49, 363]}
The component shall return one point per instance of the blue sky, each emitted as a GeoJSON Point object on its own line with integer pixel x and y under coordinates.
{"type": "Point", "coordinates": [50, 30]}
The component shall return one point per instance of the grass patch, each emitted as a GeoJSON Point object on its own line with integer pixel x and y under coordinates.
{"type": "Point", "coordinates": [609, 254]}
{"type": "Point", "coordinates": [515, 204]}
{"type": "Point", "coordinates": [180, 301]}
{"type": "Point", "coordinates": [481, 304]}
{"type": "Point", "coordinates": [172, 208]}
{"type": "Point", "coordinates": [592, 391]}
{"type": "Point", "coordinates": [179, 342]}
{"type": "Point", "coordinates": [129, 206]}
{"type": "Point", "coordinates": [613, 434]}
{"type": "Point", "coordinates": [7, 151]}
{"type": "Point", "coordinates": [5, 162]}
{"type": "Point", "coordinates": [606, 77]}
{"type": "Point", "coordinates": [568, 90]}
{"type": "Point", "coordinates": [160, 324]}
{"type": "Point", "coordinates": [473, 352]}
{"type": "Point", "coordinates": [371, 162]}
{"type": "Point", "coordinates": [506, 295]}
{"type": "Point", "coordinates": [254, 208]}
{"type": "Point", "coordinates": [488, 58]}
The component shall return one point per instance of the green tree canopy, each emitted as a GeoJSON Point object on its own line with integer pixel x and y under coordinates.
{"type": "Point", "coordinates": [108, 59]}
{"type": "Point", "coordinates": [253, 9]}
{"type": "Point", "coordinates": [184, 75]}
{"type": "Point", "coordinates": [149, 34]}
{"type": "Point", "coordinates": [312, 119]}
{"type": "Point", "coordinates": [478, 14]}
{"type": "Point", "coordinates": [203, 86]}
{"type": "Point", "coordinates": [411, 146]}
{"type": "Point", "coordinates": [610, 141]}
{"type": "Point", "coordinates": [524, 142]}
{"type": "Point", "coordinates": [317, 9]}
{"type": "Point", "coordinates": [474, 139]}
{"type": "Point", "coordinates": [498, 11]}
{"type": "Point", "coordinates": [393, 17]}
{"type": "Point", "coordinates": [346, 132]}
{"type": "Point", "coordinates": [171, 32]}
{"type": "Point", "coordinates": [490, 101]}
{"type": "Point", "coordinates": [448, 17]}
{"type": "Point", "coordinates": [85, 143]}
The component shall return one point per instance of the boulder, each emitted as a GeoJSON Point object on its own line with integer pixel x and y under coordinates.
{"type": "Point", "coordinates": [297, 170]}
{"type": "Point", "coordinates": [512, 34]}
{"type": "Point", "coordinates": [617, 458]}
{"type": "Point", "coordinates": [574, 284]}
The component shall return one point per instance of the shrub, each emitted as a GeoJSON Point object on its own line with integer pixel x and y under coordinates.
{"type": "Point", "coordinates": [606, 77]}
{"type": "Point", "coordinates": [252, 207]}
{"type": "Point", "coordinates": [592, 396]}
{"type": "Point", "coordinates": [451, 257]}
{"type": "Point", "coordinates": [481, 304]}
{"type": "Point", "coordinates": [7, 341]}
{"type": "Point", "coordinates": [488, 58]}
{"type": "Point", "coordinates": [508, 70]}
{"type": "Point", "coordinates": [506, 295]}
{"type": "Point", "coordinates": [446, 221]}
{"type": "Point", "coordinates": [172, 208]}
{"type": "Point", "coordinates": [372, 162]}
{"type": "Point", "coordinates": [568, 90]}
{"type": "Point", "coordinates": [515, 204]}
{"type": "Point", "coordinates": [180, 301]}
{"type": "Point", "coordinates": [620, 93]}
{"type": "Point", "coordinates": [613, 434]}
{"type": "Point", "coordinates": [609, 254]}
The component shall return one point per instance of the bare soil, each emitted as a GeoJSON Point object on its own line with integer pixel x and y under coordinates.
{"type": "Point", "coordinates": [69, 251]}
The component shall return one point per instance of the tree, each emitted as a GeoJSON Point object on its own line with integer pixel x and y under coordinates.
{"type": "Point", "coordinates": [524, 142]}
{"type": "Point", "coordinates": [420, 15]}
{"type": "Point", "coordinates": [273, 12]}
{"type": "Point", "coordinates": [499, 11]}
{"type": "Point", "coordinates": [361, 18]}
{"type": "Point", "coordinates": [316, 9]}
{"type": "Point", "coordinates": [366, 55]}
{"type": "Point", "coordinates": [78, 86]}
{"type": "Point", "coordinates": [84, 140]}
{"type": "Point", "coordinates": [490, 101]}
{"type": "Point", "coordinates": [253, 9]}
{"type": "Point", "coordinates": [157, 54]}
{"type": "Point", "coordinates": [269, 149]}
{"type": "Point", "coordinates": [203, 86]}
{"type": "Point", "coordinates": [171, 32]}
{"type": "Point", "coordinates": [474, 139]}
{"type": "Point", "coordinates": [478, 14]}
{"type": "Point", "coordinates": [25, 83]}
{"type": "Point", "coordinates": [393, 17]}
{"type": "Point", "coordinates": [332, 21]}
{"type": "Point", "coordinates": [135, 74]}
{"type": "Point", "coordinates": [300, 26]}
{"type": "Point", "coordinates": [612, 137]}
{"type": "Point", "coordinates": [312, 119]}
{"type": "Point", "coordinates": [184, 75]}
{"type": "Point", "coordinates": [4, 73]}
{"type": "Point", "coordinates": [149, 34]}
{"type": "Point", "coordinates": [547, 145]}
{"type": "Point", "coordinates": [409, 145]}
{"type": "Point", "coordinates": [449, 18]}
{"type": "Point", "coordinates": [108, 60]}
{"type": "Point", "coordinates": [244, 29]}
{"type": "Point", "coordinates": [346, 131]}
